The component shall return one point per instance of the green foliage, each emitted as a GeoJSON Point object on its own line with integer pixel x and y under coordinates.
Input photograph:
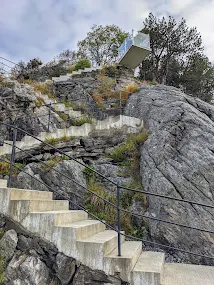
{"type": "Point", "coordinates": [1, 234]}
{"type": "Point", "coordinates": [101, 44]}
{"type": "Point", "coordinates": [177, 57]}
{"type": "Point", "coordinates": [81, 64]}
{"type": "Point", "coordinates": [2, 270]}
{"type": "Point", "coordinates": [39, 102]}
{"type": "Point", "coordinates": [198, 77]}
{"type": "Point", "coordinates": [125, 150]}
{"type": "Point", "coordinates": [81, 121]}
{"type": "Point", "coordinates": [103, 210]}
{"type": "Point", "coordinates": [168, 39]}
{"type": "Point", "coordinates": [90, 175]}
{"type": "Point", "coordinates": [53, 162]}
{"type": "Point", "coordinates": [54, 141]}
{"type": "Point", "coordinates": [5, 168]}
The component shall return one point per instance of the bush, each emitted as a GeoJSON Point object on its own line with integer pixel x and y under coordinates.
{"type": "Point", "coordinates": [5, 168]}
{"type": "Point", "coordinates": [54, 141]}
{"type": "Point", "coordinates": [105, 211]}
{"type": "Point", "coordinates": [81, 121]}
{"type": "Point", "coordinates": [39, 102]}
{"type": "Point", "coordinates": [81, 64]}
{"type": "Point", "coordinates": [53, 162]}
{"type": "Point", "coordinates": [42, 87]}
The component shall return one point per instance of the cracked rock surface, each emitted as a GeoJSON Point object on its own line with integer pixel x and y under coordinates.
{"type": "Point", "coordinates": [178, 160]}
{"type": "Point", "coordinates": [30, 260]}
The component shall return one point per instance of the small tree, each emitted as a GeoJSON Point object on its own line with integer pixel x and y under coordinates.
{"type": "Point", "coordinates": [101, 44]}
{"type": "Point", "coordinates": [168, 39]}
{"type": "Point", "coordinates": [34, 63]}
{"type": "Point", "coordinates": [81, 64]}
{"type": "Point", "coordinates": [69, 56]}
{"type": "Point", "coordinates": [198, 77]}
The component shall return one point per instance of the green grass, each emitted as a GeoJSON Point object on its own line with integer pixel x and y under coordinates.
{"type": "Point", "coordinates": [123, 152]}
{"type": "Point", "coordinates": [2, 270]}
{"type": "Point", "coordinates": [53, 162]}
{"type": "Point", "coordinates": [39, 102]}
{"type": "Point", "coordinates": [54, 141]}
{"type": "Point", "coordinates": [5, 168]}
{"type": "Point", "coordinates": [81, 121]}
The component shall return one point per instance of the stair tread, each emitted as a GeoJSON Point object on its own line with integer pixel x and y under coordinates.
{"type": "Point", "coordinates": [81, 224]}
{"type": "Point", "coordinates": [58, 212]}
{"type": "Point", "coordinates": [101, 237]}
{"type": "Point", "coordinates": [128, 249]}
{"type": "Point", "coordinates": [28, 190]}
{"type": "Point", "coordinates": [188, 274]}
{"type": "Point", "coordinates": [150, 261]}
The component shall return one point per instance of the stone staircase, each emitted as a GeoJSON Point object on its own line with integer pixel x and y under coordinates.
{"type": "Point", "coordinates": [110, 124]}
{"type": "Point", "coordinates": [68, 76]}
{"type": "Point", "coordinates": [89, 242]}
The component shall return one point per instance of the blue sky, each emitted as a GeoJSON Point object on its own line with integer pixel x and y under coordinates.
{"type": "Point", "coordinates": [43, 28]}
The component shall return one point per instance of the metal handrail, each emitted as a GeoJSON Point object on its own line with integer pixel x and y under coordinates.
{"type": "Point", "coordinates": [105, 200]}
{"type": "Point", "coordinates": [118, 197]}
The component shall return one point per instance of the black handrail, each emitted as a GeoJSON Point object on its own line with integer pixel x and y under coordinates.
{"type": "Point", "coordinates": [118, 207]}
{"type": "Point", "coordinates": [109, 226]}
{"type": "Point", "coordinates": [105, 200]}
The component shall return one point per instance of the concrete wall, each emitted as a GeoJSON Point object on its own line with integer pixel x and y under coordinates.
{"type": "Point", "coordinates": [110, 124]}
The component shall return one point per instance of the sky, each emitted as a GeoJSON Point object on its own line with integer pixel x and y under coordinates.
{"type": "Point", "coordinates": [44, 28]}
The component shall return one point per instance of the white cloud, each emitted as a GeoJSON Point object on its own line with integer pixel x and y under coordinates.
{"type": "Point", "coordinates": [30, 28]}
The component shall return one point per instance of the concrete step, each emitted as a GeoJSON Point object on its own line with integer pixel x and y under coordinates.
{"type": "Point", "coordinates": [71, 233]}
{"type": "Point", "coordinates": [123, 265]}
{"type": "Point", "coordinates": [19, 209]}
{"type": "Point", "coordinates": [3, 183]}
{"type": "Point", "coordinates": [97, 246]}
{"type": "Point", "coordinates": [86, 228]}
{"type": "Point", "coordinates": [187, 274]}
{"type": "Point", "coordinates": [45, 224]}
{"type": "Point", "coordinates": [23, 194]}
{"type": "Point", "coordinates": [149, 268]}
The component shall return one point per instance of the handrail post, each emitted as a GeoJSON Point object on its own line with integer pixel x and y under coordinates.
{"type": "Point", "coordinates": [118, 221]}
{"type": "Point", "coordinates": [49, 117]}
{"type": "Point", "coordinates": [12, 157]}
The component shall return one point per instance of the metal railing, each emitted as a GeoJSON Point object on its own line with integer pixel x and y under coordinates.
{"type": "Point", "coordinates": [118, 207]}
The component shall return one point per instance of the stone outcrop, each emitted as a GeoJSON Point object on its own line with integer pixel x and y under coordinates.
{"type": "Point", "coordinates": [30, 260]}
{"type": "Point", "coordinates": [177, 160]}
{"type": "Point", "coordinates": [18, 104]}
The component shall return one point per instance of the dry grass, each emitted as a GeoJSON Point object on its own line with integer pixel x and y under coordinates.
{"type": "Point", "coordinates": [5, 168]}
{"type": "Point", "coordinates": [102, 94]}
{"type": "Point", "coordinates": [103, 210]}
{"type": "Point", "coordinates": [41, 87]}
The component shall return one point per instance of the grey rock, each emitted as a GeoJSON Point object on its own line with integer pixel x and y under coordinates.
{"type": "Point", "coordinates": [65, 268]}
{"type": "Point", "coordinates": [87, 276]}
{"type": "Point", "coordinates": [8, 244]}
{"type": "Point", "coordinates": [29, 269]}
{"type": "Point", "coordinates": [59, 180]}
{"type": "Point", "coordinates": [24, 243]}
{"type": "Point", "coordinates": [177, 160]}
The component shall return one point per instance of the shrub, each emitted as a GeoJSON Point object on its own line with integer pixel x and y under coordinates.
{"type": "Point", "coordinates": [81, 64]}
{"type": "Point", "coordinates": [39, 102]}
{"type": "Point", "coordinates": [42, 87]}
{"type": "Point", "coordinates": [5, 168]}
{"type": "Point", "coordinates": [122, 152]}
{"type": "Point", "coordinates": [53, 162]}
{"type": "Point", "coordinates": [81, 121]}
{"type": "Point", "coordinates": [132, 88]}
{"type": "Point", "coordinates": [129, 152]}
{"type": "Point", "coordinates": [54, 141]}
{"type": "Point", "coordinates": [105, 211]}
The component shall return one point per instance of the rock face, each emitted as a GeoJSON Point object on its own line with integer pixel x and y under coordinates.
{"type": "Point", "coordinates": [52, 180]}
{"type": "Point", "coordinates": [18, 104]}
{"type": "Point", "coordinates": [178, 160]}
{"type": "Point", "coordinates": [34, 261]}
